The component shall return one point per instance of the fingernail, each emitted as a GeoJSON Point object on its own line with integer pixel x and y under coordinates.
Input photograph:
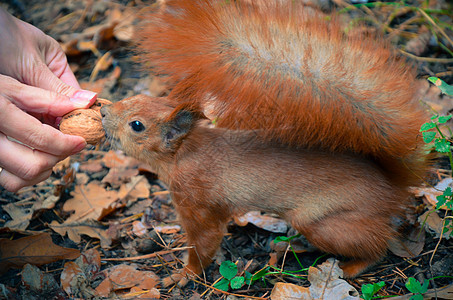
{"type": "Point", "coordinates": [82, 98]}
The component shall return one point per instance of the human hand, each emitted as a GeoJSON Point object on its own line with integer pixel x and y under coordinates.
{"type": "Point", "coordinates": [36, 88]}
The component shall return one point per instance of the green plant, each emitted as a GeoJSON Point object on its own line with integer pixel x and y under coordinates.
{"type": "Point", "coordinates": [229, 271]}
{"type": "Point", "coordinates": [369, 290]}
{"type": "Point", "coordinates": [414, 286]}
{"type": "Point", "coordinates": [442, 85]}
{"type": "Point", "coordinates": [432, 134]}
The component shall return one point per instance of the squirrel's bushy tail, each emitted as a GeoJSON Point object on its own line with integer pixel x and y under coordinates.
{"type": "Point", "coordinates": [287, 71]}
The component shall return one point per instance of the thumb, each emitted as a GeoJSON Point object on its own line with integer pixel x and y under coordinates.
{"type": "Point", "coordinates": [47, 80]}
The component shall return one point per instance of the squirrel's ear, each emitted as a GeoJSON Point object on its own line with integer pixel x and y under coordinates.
{"type": "Point", "coordinates": [179, 123]}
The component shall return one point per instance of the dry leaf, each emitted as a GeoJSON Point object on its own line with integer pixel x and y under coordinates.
{"type": "Point", "coordinates": [91, 166]}
{"type": "Point", "coordinates": [62, 165]}
{"type": "Point", "coordinates": [410, 244]}
{"type": "Point", "coordinates": [123, 276]}
{"type": "Point", "coordinates": [99, 85]}
{"type": "Point", "coordinates": [431, 193]}
{"type": "Point", "coordinates": [138, 187]}
{"type": "Point", "coordinates": [87, 46]}
{"type": "Point", "coordinates": [82, 178]}
{"type": "Point", "coordinates": [77, 277]}
{"type": "Point", "coordinates": [103, 63]}
{"type": "Point", "coordinates": [139, 229]}
{"type": "Point", "coordinates": [117, 159]}
{"type": "Point", "coordinates": [273, 259]}
{"type": "Point", "coordinates": [72, 278]}
{"type": "Point", "coordinates": [122, 168]}
{"type": "Point", "coordinates": [433, 222]}
{"type": "Point", "coordinates": [167, 229]}
{"type": "Point", "coordinates": [90, 202]}
{"type": "Point", "coordinates": [90, 228]}
{"type": "Point", "coordinates": [284, 291]}
{"type": "Point", "coordinates": [20, 215]}
{"type": "Point", "coordinates": [326, 283]}
{"type": "Point", "coordinates": [265, 222]}
{"type": "Point", "coordinates": [36, 249]}
{"type": "Point", "coordinates": [124, 30]}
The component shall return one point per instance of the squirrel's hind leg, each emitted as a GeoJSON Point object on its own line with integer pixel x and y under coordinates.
{"type": "Point", "coordinates": [362, 238]}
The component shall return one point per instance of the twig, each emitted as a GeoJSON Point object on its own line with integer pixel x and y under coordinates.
{"type": "Point", "coordinates": [427, 59]}
{"type": "Point", "coordinates": [163, 252]}
{"type": "Point", "coordinates": [435, 25]}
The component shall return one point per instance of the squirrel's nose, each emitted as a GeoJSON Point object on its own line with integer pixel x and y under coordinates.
{"type": "Point", "coordinates": [104, 110]}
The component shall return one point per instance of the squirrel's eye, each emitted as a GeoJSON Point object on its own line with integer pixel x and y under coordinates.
{"type": "Point", "coordinates": [137, 126]}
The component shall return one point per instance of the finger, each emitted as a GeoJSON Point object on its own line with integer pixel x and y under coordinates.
{"type": "Point", "coordinates": [13, 183]}
{"type": "Point", "coordinates": [46, 79]}
{"type": "Point", "coordinates": [23, 165]}
{"type": "Point", "coordinates": [57, 63]}
{"type": "Point", "coordinates": [37, 100]}
{"type": "Point", "coordinates": [28, 130]}
{"type": "Point", "coordinates": [68, 77]}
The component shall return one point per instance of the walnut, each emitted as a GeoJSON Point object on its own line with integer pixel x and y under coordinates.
{"type": "Point", "coordinates": [86, 123]}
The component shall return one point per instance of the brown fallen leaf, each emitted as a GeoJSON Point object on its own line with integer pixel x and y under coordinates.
{"type": "Point", "coordinates": [431, 193]}
{"type": "Point", "coordinates": [20, 215]}
{"type": "Point", "coordinates": [124, 30]}
{"type": "Point", "coordinates": [36, 250]}
{"type": "Point", "coordinates": [139, 229]}
{"type": "Point", "coordinates": [434, 223]}
{"type": "Point", "coordinates": [89, 202]}
{"type": "Point", "coordinates": [283, 291]}
{"type": "Point", "coordinates": [122, 168]}
{"type": "Point", "coordinates": [167, 229]}
{"type": "Point", "coordinates": [138, 187]}
{"type": "Point", "coordinates": [91, 166]}
{"type": "Point", "coordinates": [77, 276]}
{"type": "Point", "coordinates": [410, 244]}
{"type": "Point", "coordinates": [102, 64]}
{"type": "Point", "coordinates": [265, 222]}
{"type": "Point", "coordinates": [103, 83]}
{"type": "Point", "coordinates": [124, 276]}
{"type": "Point", "coordinates": [88, 227]}
{"type": "Point", "coordinates": [325, 284]}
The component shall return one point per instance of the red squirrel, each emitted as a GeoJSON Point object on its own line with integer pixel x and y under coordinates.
{"type": "Point", "coordinates": [311, 124]}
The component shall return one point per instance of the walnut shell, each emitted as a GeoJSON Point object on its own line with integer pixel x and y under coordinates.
{"type": "Point", "coordinates": [86, 123]}
{"type": "Point", "coordinates": [100, 103]}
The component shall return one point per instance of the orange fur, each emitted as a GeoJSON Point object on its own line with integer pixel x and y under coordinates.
{"type": "Point", "coordinates": [313, 125]}
{"type": "Point", "coordinates": [287, 71]}
{"type": "Point", "coordinates": [342, 203]}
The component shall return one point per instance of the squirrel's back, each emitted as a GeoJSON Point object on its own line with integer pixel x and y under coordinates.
{"type": "Point", "coordinates": [291, 73]}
